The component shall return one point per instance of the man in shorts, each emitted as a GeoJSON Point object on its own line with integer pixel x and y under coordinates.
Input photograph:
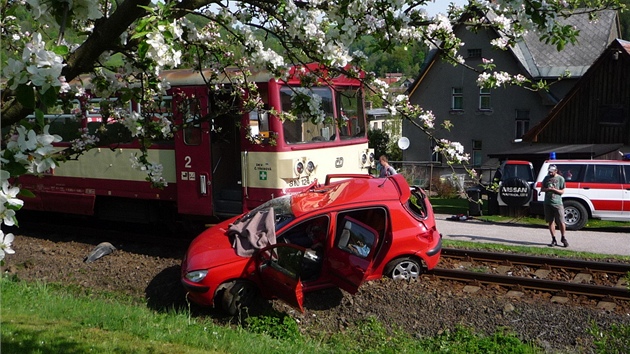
{"type": "Point", "coordinates": [553, 186]}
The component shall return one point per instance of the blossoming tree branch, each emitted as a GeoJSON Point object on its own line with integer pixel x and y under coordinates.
{"type": "Point", "coordinates": [57, 51]}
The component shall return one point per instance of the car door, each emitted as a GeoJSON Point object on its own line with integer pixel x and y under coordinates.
{"type": "Point", "coordinates": [602, 185]}
{"type": "Point", "coordinates": [278, 268]}
{"type": "Point", "coordinates": [350, 257]}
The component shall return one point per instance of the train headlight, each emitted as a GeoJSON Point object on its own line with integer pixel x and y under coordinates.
{"type": "Point", "coordinates": [371, 158]}
{"type": "Point", "coordinates": [299, 167]}
{"type": "Point", "coordinates": [196, 275]}
{"type": "Point", "coordinates": [310, 166]}
{"type": "Point", "coordinates": [364, 158]}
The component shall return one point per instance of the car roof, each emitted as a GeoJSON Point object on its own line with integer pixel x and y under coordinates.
{"type": "Point", "coordinates": [366, 190]}
{"type": "Point", "coordinates": [517, 162]}
{"type": "Point", "coordinates": [551, 162]}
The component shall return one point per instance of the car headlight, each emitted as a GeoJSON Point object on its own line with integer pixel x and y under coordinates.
{"type": "Point", "coordinates": [196, 275]}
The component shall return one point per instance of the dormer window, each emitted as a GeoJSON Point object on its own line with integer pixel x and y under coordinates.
{"type": "Point", "coordinates": [474, 53]}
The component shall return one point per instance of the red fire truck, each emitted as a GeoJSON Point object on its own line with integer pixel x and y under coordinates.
{"type": "Point", "coordinates": [213, 166]}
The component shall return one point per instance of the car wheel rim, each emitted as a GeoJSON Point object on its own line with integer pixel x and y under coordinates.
{"type": "Point", "coordinates": [571, 216]}
{"type": "Point", "coordinates": [406, 271]}
{"type": "Point", "coordinates": [244, 296]}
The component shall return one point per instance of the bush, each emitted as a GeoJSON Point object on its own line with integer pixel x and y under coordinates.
{"type": "Point", "coordinates": [615, 340]}
{"type": "Point", "coordinates": [443, 188]}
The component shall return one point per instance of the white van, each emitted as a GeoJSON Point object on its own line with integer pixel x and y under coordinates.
{"type": "Point", "coordinates": [598, 189]}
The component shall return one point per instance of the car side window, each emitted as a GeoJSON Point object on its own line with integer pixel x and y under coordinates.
{"type": "Point", "coordinates": [571, 172]}
{"type": "Point", "coordinates": [358, 231]}
{"type": "Point", "coordinates": [627, 173]}
{"type": "Point", "coordinates": [603, 174]}
{"type": "Point", "coordinates": [311, 233]}
{"type": "Point", "coordinates": [417, 203]}
{"type": "Point", "coordinates": [287, 260]}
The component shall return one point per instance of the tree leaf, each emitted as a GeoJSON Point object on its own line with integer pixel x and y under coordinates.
{"type": "Point", "coordinates": [26, 95]}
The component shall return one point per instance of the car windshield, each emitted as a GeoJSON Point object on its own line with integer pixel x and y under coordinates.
{"type": "Point", "coordinates": [281, 209]}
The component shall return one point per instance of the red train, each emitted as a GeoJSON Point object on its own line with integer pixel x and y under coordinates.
{"type": "Point", "coordinates": [215, 167]}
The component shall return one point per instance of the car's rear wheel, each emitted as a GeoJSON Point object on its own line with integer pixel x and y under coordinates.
{"type": "Point", "coordinates": [575, 215]}
{"type": "Point", "coordinates": [403, 269]}
{"type": "Point", "coordinates": [237, 296]}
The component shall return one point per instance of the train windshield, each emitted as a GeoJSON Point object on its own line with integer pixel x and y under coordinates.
{"type": "Point", "coordinates": [303, 129]}
{"type": "Point", "coordinates": [350, 109]}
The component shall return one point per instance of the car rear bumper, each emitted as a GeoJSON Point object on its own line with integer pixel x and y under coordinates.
{"type": "Point", "coordinates": [431, 256]}
{"type": "Point", "coordinates": [437, 249]}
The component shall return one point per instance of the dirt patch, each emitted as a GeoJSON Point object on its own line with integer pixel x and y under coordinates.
{"type": "Point", "coordinates": [426, 307]}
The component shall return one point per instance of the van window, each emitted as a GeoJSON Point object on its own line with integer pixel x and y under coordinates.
{"type": "Point", "coordinates": [603, 174]}
{"type": "Point", "coordinates": [509, 170]}
{"type": "Point", "coordinates": [572, 172]}
{"type": "Point", "coordinates": [627, 170]}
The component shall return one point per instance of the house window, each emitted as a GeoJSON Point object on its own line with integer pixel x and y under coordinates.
{"type": "Point", "coordinates": [484, 99]}
{"type": "Point", "coordinates": [474, 53]}
{"type": "Point", "coordinates": [457, 103]}
{"type": "Point", "coordinates": [522, 123]}
{"type": "Point", "coordinates": [476, 153]}
{"type": "Point", "coordinates": [435, 156]}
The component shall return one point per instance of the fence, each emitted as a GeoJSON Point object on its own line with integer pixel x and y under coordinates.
{"type": "Point", "coordinates": [422, 173]}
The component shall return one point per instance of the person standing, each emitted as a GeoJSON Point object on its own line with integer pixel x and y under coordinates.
{"type": "Point", "coordinates": [386, 169]}
{"type": "Point", "coordinates": [553, 186]}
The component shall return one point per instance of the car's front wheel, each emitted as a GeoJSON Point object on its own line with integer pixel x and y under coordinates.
{"type": "Point", "coordinates": [239, 294]}
{"type": "Point", "coordinates": [575, 215]}
{"type": "Point", "coordinates": [403, 269]}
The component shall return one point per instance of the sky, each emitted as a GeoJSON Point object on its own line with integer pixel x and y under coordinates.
{"type": "Point", "coordinates": [438, 6]}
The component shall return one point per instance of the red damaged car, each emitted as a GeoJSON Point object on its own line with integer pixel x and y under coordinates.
{"type": "Point", "coordinates": [339, 234]}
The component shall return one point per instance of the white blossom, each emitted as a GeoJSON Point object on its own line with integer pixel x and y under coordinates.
{"type": "Point", "coordinates": [6, 244]}
{"type": "Point", "coordinates": [8, 195]}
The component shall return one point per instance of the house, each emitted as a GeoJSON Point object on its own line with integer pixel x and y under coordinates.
{"type": "Point", "coordinates": [377, 118]}
{"type": "Point", "coordinates": [490, 121]}
{"type": "Point", "coordinates": [592, 120]}
{"type": "Point", "coordinates": [381, 119]}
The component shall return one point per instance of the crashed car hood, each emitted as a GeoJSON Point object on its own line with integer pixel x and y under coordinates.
{"type": "Point", "coordinates": [211, 248]}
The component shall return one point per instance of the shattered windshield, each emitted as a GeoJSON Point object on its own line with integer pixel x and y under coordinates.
{"type": "Point", "coordinates": [281, 208]}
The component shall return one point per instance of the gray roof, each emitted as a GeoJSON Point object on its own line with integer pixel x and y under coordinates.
{"type": "Point", "coordinates": [561, 150]}
{"type": "Point", "coordinates": [542, 60]}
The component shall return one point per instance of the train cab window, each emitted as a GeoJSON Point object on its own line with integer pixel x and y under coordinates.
{"type": "Point", "coordinates": [303, 129]}
{"type": "Point", "coordinates": [350, 112]}
{"type": "Point", "coordinates": [191, 111]}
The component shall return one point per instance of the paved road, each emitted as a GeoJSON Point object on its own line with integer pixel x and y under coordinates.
{"type": "Point", "coordinates": [614, 242]}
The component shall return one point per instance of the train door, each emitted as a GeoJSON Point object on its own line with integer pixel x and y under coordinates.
{"type": "Point", "coordinates": [192, 152]}
{"type": "Point", "coordinates": [227, 191]}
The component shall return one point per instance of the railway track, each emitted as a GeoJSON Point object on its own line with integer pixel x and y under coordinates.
{"type": "Point", "coordinates": [579, 277]}
{"type": "Point", "coordinates": [473, 267]}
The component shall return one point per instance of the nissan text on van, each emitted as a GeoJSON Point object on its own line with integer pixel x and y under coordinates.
{"type": "Point", "coordinates": [598, 189]}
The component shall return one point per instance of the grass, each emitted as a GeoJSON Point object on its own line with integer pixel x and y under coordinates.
{"type": "Point", "coordinates": [38, 318]}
